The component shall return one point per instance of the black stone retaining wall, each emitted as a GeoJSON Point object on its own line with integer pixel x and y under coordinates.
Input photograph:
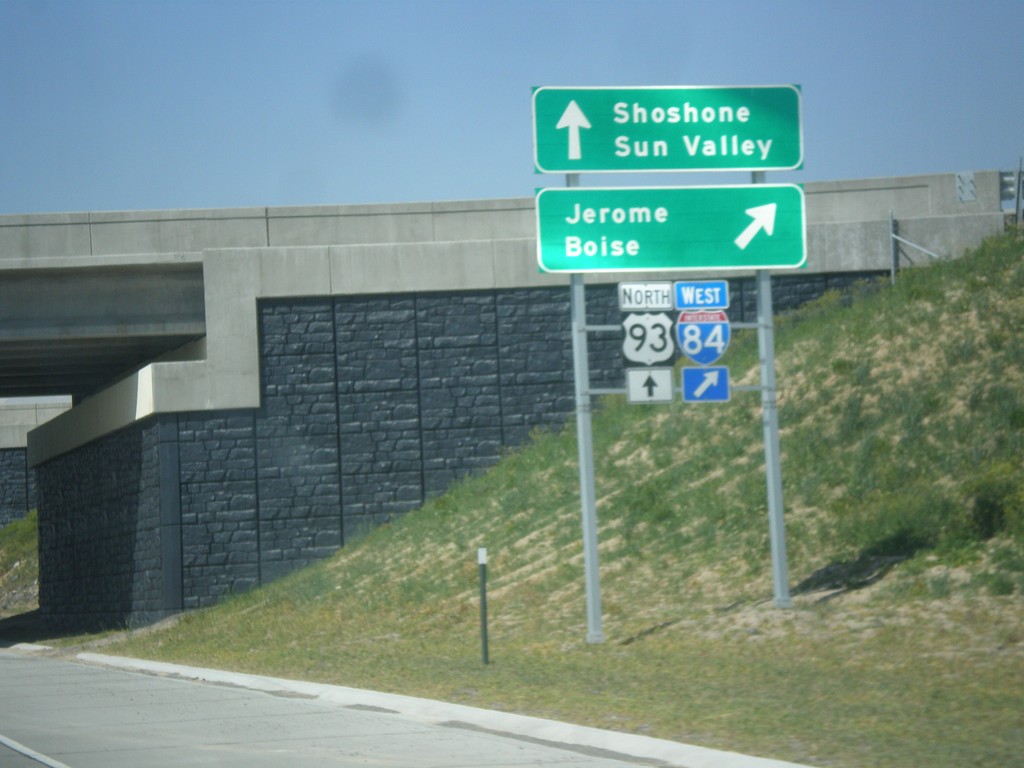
{"type": "Point", "coordinates": [370, 406]}
{"type": "Point", "coordinates": [17, 486]}
{"type": "Point", "coordinates": [99, 520]}
{"type": "Point", "coordinates": [219, 514]}
{"type": "Point", "coordinates": [298, 489]}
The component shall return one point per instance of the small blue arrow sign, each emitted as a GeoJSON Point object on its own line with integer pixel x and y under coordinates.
{"type": "Point", "coordinates": [706, 385]}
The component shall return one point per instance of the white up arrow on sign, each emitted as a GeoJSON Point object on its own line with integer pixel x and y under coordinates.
{"type": "Point", "coordinates": [573, 119]}
{"type": "Point", "coordinates": [649, 385]}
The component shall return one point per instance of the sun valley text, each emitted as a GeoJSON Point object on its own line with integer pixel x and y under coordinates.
{"type": "Point", "coordinates": [693, 144]}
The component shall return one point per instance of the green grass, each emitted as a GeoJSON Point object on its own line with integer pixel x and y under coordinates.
{"type": "Point", "coordinates": [19, 566]}
{"type": "Point", "coordinates": [902, 417]}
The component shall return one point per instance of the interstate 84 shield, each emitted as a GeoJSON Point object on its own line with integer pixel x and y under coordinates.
{"type": "Point", "coordinates": [703, 336]}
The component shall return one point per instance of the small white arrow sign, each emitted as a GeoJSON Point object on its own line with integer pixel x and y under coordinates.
{"type": "Point", "coordinates": [573, 119]}
{"type": "Point", "coordinates": [649, 385]}
{"type": "Point", "coordinates": [710, 380]}
{"type": "Point", "coordinates": [763, 218]}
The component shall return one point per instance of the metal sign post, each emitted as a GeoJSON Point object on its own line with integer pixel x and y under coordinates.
{"type": "Point", "coordinates": [772, 453]}
{"type": "Point", "coordinates": [585, 446]}
{"type": "Point", "coordinates": [770, 421]}
{"type": "Point", "coordinates": [585, 441]}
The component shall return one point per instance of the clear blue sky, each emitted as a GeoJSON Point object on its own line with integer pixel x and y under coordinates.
{"type": "Point", "coordinates": [131, 105]}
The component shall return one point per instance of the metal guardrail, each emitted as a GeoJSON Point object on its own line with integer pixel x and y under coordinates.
{"type": "Point", "coordinates": [895, 241]}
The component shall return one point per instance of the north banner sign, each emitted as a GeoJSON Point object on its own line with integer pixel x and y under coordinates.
{"type": "Point", "coordinates": [667, 128]}
{"type": "Point", "coordinates": [645, 296]}
{"type": "Point", "coordinates": [623, 229]}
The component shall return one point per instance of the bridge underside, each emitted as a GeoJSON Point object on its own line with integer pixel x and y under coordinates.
{"type": "Point", "coordinates": [76, 330]}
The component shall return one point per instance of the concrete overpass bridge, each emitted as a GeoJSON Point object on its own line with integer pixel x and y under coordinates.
{"type": "Point", "coordinates": [251, 386]}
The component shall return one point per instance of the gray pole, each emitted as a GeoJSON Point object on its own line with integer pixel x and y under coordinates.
{"type": "Point", "coordinates": [772, 453]}
{"type": "Point", "coordinates": [585, 444]}
{"type": "Point", "coordinates": [770, 422]}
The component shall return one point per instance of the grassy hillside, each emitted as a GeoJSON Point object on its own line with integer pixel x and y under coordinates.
{"type": "Point", "coordinates": [19, 566]}
{"type": "Point", "coordinates": [902, 418]}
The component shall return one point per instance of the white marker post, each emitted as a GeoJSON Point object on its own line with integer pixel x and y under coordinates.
{"type": "Point", "coordinates": [481, 559]}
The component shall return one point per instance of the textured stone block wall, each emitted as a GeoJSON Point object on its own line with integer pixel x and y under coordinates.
{"type": "Point", "coordinates": [380, 437]}
{"type": "Point", "coordinates": [100, 560]}
{"type": "Point", "coordinates": [17, 486]}
{"type": "Point", "coordinates": [298, 486]}
{"type": "Point", "coordinates": [370, 406]}
{"type": "Point", "coordinates": [219, 522]}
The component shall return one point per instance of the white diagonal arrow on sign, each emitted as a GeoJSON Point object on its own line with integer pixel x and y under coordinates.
{"type": "Point", "coordinates": [710, 380]}
{"type": "Point", "coordinates": [764, 218]}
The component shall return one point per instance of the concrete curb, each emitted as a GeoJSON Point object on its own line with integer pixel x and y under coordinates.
{"type": "Point", "coordinates": [436, 712]}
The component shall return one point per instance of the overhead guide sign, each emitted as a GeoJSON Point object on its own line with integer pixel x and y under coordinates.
{"type": "Point", "coordinates": [667, 128]}
{"type": "Point", "coordinates": [622, 229]}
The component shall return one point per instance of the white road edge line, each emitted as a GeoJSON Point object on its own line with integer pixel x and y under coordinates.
{"type": "Point", "coordinates": [31, 753]}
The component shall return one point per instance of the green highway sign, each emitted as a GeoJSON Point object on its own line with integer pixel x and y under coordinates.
{"type": "Point", "coordinates": [667, 128]}
{"type": "Point", "coordinates": [633, 229]}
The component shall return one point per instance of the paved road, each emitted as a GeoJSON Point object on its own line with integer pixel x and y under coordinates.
{"type": "Point", "coordinates": [110, 711]}
{"type": "Point", "coordinates": [11, 759]}
{"type": "Point", "coordinates": [73, 714]}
